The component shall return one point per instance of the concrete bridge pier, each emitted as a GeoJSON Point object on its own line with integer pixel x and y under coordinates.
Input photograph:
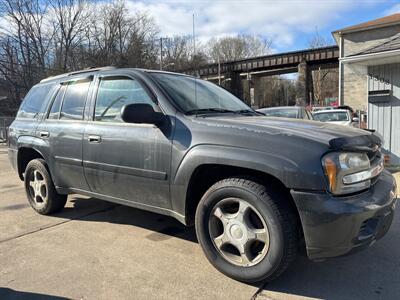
{"type": "Point", "coordinates": [234, 84]}
{"type": "Point", "coordinates": [247, 85]}
{"type": "Point", "coordinates": [259, 87]}
{"type": "Point", "coordinates": [303, 84]}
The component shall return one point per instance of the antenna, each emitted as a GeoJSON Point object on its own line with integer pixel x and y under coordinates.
{"type": "Point", "coordinates": [194, 63]}
{"type": "Point", "coordinates": [194, 39]}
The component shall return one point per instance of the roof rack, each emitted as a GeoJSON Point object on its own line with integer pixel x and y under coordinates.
{"type": "Point", "coordinates": [86, 70]}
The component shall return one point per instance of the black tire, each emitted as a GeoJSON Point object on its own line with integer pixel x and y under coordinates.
{"type": "Point", "coordinates": [281, 221]}
{"type": "Point", "coordinates": [48, 200]}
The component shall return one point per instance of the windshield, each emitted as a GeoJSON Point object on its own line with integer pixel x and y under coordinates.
{"type": "Point", "coordinates": [194, 95]}
{"type": "Point", "coordinates": [284, 113]}
{"type": "Point", "coordinates": [331, 117]}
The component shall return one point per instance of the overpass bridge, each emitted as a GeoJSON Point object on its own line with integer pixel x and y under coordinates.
{"type": "Point", "coordinates": [239, 75]}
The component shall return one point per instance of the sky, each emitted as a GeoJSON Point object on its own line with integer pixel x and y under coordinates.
{"type": "Point", "coordinates": [289, 24]}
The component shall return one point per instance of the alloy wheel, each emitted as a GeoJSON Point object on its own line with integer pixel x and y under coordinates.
{"type": "Point", "coordinates": [38, 188]}
{"type": "Point", "coordinates": [239, 232]}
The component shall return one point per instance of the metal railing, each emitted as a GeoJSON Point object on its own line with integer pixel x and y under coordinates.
{"type": "Point", "coordinates": [5, 122]}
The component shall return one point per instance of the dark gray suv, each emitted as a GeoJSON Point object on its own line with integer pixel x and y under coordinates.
{"type": "Point", "coordinates": [257, 188]}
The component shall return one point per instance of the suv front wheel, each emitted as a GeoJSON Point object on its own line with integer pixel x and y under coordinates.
{"type": "Point", "coordinates": [40, 190]}
{"type": "Point", "coordinates": [247, 230]}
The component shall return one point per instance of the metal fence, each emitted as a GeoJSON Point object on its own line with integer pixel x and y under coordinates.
{"type": "Point", "coordinates": [5, 122]}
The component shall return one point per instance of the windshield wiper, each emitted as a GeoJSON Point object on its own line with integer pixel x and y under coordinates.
{"type": "Point", "coordinates": [208, 110]}
{"type": "Point", "coordinates": [246, 111]}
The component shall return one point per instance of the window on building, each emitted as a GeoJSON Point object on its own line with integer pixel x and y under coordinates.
{"type": "Point", "coordinates": [74, 100]}
{"type": "Point", "coordinates": [116, 92]}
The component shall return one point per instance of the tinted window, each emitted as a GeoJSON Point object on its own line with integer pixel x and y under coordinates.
{"type": "Point", "coordinates": [55, 107]}
{"type": "Point", "coordinates": [74, 100]}
{"type": "Point", "coordinates": [331, 117]}
{"type": "Point", "coordinates": [192, 94]}
{"type": "Point", "coordinates": [116, 92]}
{"type": "Point", "coordinates": [34, 102]}
{"type": "Point", "coordinates": [284, 113]}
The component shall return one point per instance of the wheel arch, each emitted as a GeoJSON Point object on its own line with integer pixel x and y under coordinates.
{"type": "Point", "coordinates": [25, 155]}
{"type": "Point", "coordinates": [203, 166]}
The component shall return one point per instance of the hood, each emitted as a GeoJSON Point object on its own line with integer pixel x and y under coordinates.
{"type": "Point", "coordinates": [312, 130]}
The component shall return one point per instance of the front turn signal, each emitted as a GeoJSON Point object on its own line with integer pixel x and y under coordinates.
{"type": "Point", "coordinates": [331, 172]}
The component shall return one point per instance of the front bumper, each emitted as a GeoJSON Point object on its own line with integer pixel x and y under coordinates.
{"type": "Point", "coordinates": [335, 226]}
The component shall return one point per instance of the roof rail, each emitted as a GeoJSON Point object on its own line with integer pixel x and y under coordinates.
{"type": "Point", "coordinates": [87, 70]}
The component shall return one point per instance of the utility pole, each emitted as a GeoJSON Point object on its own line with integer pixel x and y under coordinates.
{"type": "Point", "coordinates": [219, 71]}
{"type": "Point", "coordinates": [161, 54]}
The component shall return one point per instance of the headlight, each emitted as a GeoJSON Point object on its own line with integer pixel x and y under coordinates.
{"type": "Point", "coordinates": [349, 172]}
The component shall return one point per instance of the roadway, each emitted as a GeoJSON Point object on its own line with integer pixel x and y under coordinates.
{"type": "Point", "coordinates": [98, 250]}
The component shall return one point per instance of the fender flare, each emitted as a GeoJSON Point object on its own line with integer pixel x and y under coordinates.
{"type": "Point", "coordinates": [30, 142]}
{"type": "Point", "coordinates": [275, 165]}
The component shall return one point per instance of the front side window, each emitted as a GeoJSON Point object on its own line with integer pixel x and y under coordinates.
{"type": "Point", "coordinates": [74, 100]}
{"type": "Point", "coordinates": [33, 105]}
{"type": "Point", "coordinates": [116, 92]}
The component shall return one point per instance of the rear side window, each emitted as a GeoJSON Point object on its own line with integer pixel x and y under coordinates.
{"type": "Point", "coordinates": [74, 100]}
{"type": "Point", "coordinates": [55, 107]}
{"type": "Point", "coordinates": [34, 103]}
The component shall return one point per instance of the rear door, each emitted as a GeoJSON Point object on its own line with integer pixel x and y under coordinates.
{"type": "Point", "coordinates": [63, 130]}
{"type": "Point", "coordinates": [129, 162]}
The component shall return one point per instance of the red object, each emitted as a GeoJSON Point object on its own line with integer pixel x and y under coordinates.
{"type": "Point", "coordinates": [334, 103]}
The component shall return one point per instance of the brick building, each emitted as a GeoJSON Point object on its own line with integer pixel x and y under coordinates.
{"type": "Point", "coordinates": [369, 76]}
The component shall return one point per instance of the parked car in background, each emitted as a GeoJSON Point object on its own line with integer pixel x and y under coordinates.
{"type": "Point", "coordinates": [336, 116]}
{"type": "Point", "coordinates": [294, 112]}
{"type": "Point", "coordinates": [319, 108]}
{"type": "Point", "coordinates": [349, 108]}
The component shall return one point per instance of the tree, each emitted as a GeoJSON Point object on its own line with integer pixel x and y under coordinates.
{"type": "Point", "coordinates": [239, 47]}
{"type": "Point", "coordinates": [118, 37]}
{"type": "Point", "coordinates": [178, 53]}
{"type": "Point", "coordinates": [25, 43]}
{"type": "Point", "coordinates": [42, 37]}
{"type": "Point", "coordinates": [325, 81]}
{"type": "Point", "coordinates": [70, 23]}
{"type": "Point", "coordinates": [318, 41]}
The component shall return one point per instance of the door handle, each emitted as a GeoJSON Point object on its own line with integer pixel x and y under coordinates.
{"type": "Point", "coordinates": [94, 139]}
{"type": "Point", "coordinates": [44, 134]}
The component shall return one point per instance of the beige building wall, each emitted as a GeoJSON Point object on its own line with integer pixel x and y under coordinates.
{"type": "Point", "coordinates": [354, 88]}
{"type": "Point", "coordinates": [354, 83]}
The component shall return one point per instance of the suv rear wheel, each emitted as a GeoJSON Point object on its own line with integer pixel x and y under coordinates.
{"type": "Point", "coordinates": [39, 187]}
{"type": "Point", "coordinates": [247, 231]}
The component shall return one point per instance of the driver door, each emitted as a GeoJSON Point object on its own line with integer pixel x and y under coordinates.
{"type": "Point", "coordinates": [129, 162]}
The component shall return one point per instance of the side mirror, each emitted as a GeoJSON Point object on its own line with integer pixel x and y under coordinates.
{"type": "Point", "coordinates": [141, 113]}
{"type": "Point", "coordinates": [356, 120]}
